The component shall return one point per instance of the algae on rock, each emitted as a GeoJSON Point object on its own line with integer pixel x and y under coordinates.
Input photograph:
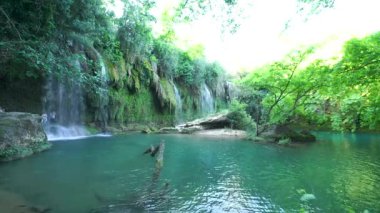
{"type": "Point", "coordinates": [21, 135]}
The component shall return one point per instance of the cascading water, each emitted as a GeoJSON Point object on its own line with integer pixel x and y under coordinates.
{"type": "Point", "coordinates": [64, 107]}
{"type": "Point", "coordinates": [228, 89]}
{"type": "Point", "coordinates": [102, 115]}
{"type": "Point", "coordinates": [207, 101]}
{"type": "Point", "coordinates": [178, 109]}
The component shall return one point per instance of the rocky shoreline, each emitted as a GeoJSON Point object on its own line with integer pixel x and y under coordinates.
{"type": "Point", "coordinates": [222, 133]}
{"type": "Point", "coordinates": [218, 121]}
{"type": "Point", "coordinates": [219, 126]}
{"type": "Point", "coordinates": [21, 135]}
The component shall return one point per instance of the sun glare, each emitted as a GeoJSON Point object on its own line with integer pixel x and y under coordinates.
{"type": "Point", "coordinates": [262, 37]}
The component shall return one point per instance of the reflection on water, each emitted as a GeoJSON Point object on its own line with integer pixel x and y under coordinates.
{"type": "Point", "coordinates": [110, 174]}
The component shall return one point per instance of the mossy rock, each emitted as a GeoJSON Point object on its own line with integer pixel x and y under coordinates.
{"type": "Point", "coordinates": [21, 135]}
{"type": "Point", "coordinates": [276, 133]}
{"type": "Point", "coordinates": [149, 130]}
{"type": "Point", "coordinates": [258, 139]}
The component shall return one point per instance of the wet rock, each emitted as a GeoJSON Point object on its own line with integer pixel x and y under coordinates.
{"type": "Point", "coordinates": [217, 121]}
{"type": "Point", "coordinates": [307, 197]}
{"type": "Point", "coordinates": [191, 129]}
{"type": "Point", "coordinates": [276, 133]}
{"type": "Point", "coordinates": [223, 133]}
{"type": "Point", "coordinates": [21, 135]}
{"type": "Point", "coordinates": [216, 125]}
{"type": "Point", "coordinates": [168, 130]}
{"type": "Point", "coordinates": [149, 129]}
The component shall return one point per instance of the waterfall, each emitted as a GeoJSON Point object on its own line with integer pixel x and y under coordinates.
{"type": "Point", "coordinates": [178, 108]}
{"type": "Point", "coordinates": [228, 89]}
{"type": "Point", "coordinates": [64, 107]}
{"type": "Point", "coordinates": [103, 70]}
{"type": "Point", "coordinates": [102, 103]}
{"type": "Point", "coordinates": [207, 101]}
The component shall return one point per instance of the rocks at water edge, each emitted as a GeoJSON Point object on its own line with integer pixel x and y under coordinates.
{"type": "Point", "coordinates": [307, 197]}
{"type": "Point", "coordinates": [219, 125]}
{"type": "Point", "coordinates": [216, 125]}
{"type": "Point", "coordinates": [218, 121]}
{"type": "Point", "coordinates": [21, 135]}
{"type": "Point", "coordinates": [276, 133]}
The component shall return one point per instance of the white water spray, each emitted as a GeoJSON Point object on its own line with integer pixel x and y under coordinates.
{"type": "Point", "coordinates": [178, 109]}
{"type": "Point", "coordinates": [207, 101]}
{"type": "Point", "coordinates": [64, 107]}
{"type": "Point", "coordinates": [102, 104]}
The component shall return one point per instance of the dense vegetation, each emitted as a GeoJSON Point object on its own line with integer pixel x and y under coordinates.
{"type": "Point", "coordinates": [45, 39]}
{"type": "Point", "coordinates": [342, 95]}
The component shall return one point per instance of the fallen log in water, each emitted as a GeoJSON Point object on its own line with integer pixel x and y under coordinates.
{"type": "Point", "coordinates": [160, 156]}
{"type": "Point", "coordinates": [154, 196]}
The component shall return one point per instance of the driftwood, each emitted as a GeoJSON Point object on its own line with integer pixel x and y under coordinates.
{"type": "Point", "coordinates": [154, 194]}
{"type": "Point", "coordinates": [160, 156]}
{"type": "Point", "coordinates": [159, 165]}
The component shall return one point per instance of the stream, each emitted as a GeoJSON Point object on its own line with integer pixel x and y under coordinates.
{"type": "Point", "coordinates": [339, 173]}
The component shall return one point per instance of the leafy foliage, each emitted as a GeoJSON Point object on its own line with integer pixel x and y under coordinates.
{"type": "Point", "coordinates": [239, 117]}
{"type": "Point", "coordinates": [37, 37]}
{"type": "Point", "coordinates": [134, 32]}
{"type": "Point", "coordinates": [343, 96]}
{"type": "Point", "coordinates": [230, 12]}
{"type": "Point", "coordinates": [285, 87]}
{"type": "Point", "coordinates": [312, 7]}
{"type": "Point", "coordinates": [167, 58]}
{"type": "Point", "coordinates": [67, 40]}
{"type": "Point", "coordinates": [357, 76]}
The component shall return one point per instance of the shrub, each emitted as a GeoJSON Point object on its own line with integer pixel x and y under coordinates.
{"type": "Point", "coordinates": [239, 117]}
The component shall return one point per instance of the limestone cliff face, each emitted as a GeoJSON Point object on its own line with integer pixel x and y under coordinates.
{"type": "Point", "coordinates": [21, 135]}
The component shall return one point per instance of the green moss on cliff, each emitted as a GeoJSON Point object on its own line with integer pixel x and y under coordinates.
{"type": "Point", "coordinates": [117, 72]}
{"type": "Point", "coordinates": [142, 108]}
{"type": "Point", "coordinates": [117, 106]}
{"type": "Point", "coordinates": [168, 96]}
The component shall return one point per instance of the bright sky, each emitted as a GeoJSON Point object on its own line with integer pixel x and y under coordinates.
{"type": "Point", "coordinates": [261, 38]}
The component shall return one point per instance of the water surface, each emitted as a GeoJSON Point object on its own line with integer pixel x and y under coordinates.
{"type": "Point", "coordinates": [110, 174]}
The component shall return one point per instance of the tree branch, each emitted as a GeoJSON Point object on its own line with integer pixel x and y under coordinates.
{"type": "Point", "coordinates": [10, 22]}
